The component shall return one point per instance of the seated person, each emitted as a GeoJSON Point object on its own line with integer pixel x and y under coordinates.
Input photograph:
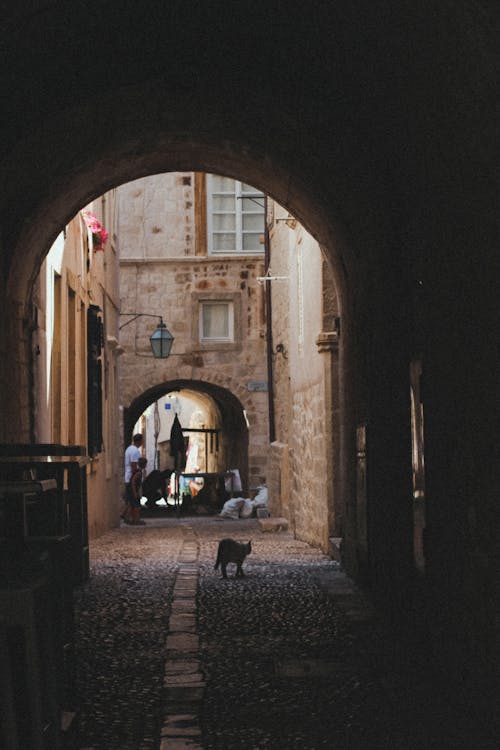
{"type": "Point", "coordinates": [154, 487]}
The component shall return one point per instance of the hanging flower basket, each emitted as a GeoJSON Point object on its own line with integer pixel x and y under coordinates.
{"type": "Point", "coordinates": [99, 234]}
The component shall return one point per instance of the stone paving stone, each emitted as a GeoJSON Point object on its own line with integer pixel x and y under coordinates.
{"type": "Point", "coordinates": [183, 605]}
{"type": "Point", "coordinates": [175, 707]}
{"type": "Point", "coordinates": [180, 720]}
{"type": "Point", "coordinates": [179, 727]}
{"type": "Point", "coordinates": [184, 622]}
{"type": "Point", "coordinates": [178, 732]}
{"type": "Point", "coordinates": [184, 593]}
{"type": "Point", "coordinates": [182, 666]}
{"type": "Point", "coordinates": [183, 642]}
{"type": "Point", "coordinates": [185, 694]}
{"type": "Point", "coordinates": [194, 678]}
{"type": "Point", "coordinates": [169, 743]}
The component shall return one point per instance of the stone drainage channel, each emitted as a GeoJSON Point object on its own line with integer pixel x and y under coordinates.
{"type": "Point", "coordinates": [184, 680]}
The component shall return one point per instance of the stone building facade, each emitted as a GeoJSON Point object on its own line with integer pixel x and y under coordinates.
{"type": "Point", "coordinates": [166, 269]}
{"type": "Point", "coordinates": [284, 335]}
{"type": "Point", "coordinates": [304, 473]}
{"type": "Point", "coordinates": [74, 350]}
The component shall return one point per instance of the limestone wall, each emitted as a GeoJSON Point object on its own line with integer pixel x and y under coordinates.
{"type": "Point", "coordinates": [73, 276]}
{"type": "Point", "coordinates": [300, 474]}
{"type": "Point", "coordinates": [155, 216]}
{"type": "Point", "coordinates": [159, 275]}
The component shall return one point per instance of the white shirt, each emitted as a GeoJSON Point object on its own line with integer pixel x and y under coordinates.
{"type": "Point", "coordinates": [132, 455]}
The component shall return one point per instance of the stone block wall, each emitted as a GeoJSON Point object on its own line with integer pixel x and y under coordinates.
{"type": "Point", "coordinates": [303, 406]}
{"type": "Point", "coordinates": [160, 275]}
{"type": "Point", "coordinates": [155, 216]}
{"type": "Point", "coordinates": [278, 479]}
{"type": "Point", "coordinates": [309, 492]}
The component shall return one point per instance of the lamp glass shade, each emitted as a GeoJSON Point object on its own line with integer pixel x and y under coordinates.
{"type": "Point", "coordinates": [161, 341]}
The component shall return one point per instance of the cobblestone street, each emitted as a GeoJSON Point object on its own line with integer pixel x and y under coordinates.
{"type": "Point", "coordinates": [171, 655]}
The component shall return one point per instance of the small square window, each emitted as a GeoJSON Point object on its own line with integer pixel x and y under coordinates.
{"type": "Point", "coordinates": [216, 321]}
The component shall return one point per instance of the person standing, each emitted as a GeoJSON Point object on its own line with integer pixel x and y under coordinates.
{"type": "Point", "coordinates": [134, 494]}
{"type": "Point", "coordinates": [132, 456]}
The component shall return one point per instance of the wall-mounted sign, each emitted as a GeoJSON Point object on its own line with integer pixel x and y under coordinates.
{"type": "Point", "coordinates": [257, 385]}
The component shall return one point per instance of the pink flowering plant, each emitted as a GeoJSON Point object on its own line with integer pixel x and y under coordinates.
{"type": "Point", "coordinates": [99, 234]}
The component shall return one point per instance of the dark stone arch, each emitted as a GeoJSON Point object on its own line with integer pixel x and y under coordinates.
{"type": "Point", "coordinates": [381, 123]}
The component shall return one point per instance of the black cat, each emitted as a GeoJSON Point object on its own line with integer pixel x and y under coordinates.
{"type": "Point", "coordinates": [230, 551]}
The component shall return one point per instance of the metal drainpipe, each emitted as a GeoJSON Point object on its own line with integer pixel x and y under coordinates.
{"type": "Point", "coordinates": [31, 325]}
{"type": "Point", "coordinates": [31, 389]}
{"type": "Point", "coordinates": [269, 329]}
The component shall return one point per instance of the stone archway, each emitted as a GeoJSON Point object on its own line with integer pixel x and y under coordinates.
{"type": "Point", "coordinates": [345, 128]}
{"type": "Point", "coordinates": [208, 146]}
{"type": "Point", "coordinates": [234, 429]}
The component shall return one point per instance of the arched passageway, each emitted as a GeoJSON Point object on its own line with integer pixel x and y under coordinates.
{"type": "Point", "coordinates": [228, 419]}
{"type": "Point", "coordinates": [377, 131]}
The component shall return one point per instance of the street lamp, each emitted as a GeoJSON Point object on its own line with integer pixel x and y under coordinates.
{"type": "Point", "coordinates": [161, 339]}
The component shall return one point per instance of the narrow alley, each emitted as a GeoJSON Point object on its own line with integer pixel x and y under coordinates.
{"type": "Point", "coordinates": [171, 655]}
{"type": "Point", "coordinates": [275, 227]}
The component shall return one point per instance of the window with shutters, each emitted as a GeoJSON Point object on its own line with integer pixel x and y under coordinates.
{"type": "Point", "coordinates": [94, 380]}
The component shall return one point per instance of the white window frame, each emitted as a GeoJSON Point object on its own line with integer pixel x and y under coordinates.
{"type": "Point", "coordinates": [229, 339]}
{"type": "Point", "coordinates": [239, 192]}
